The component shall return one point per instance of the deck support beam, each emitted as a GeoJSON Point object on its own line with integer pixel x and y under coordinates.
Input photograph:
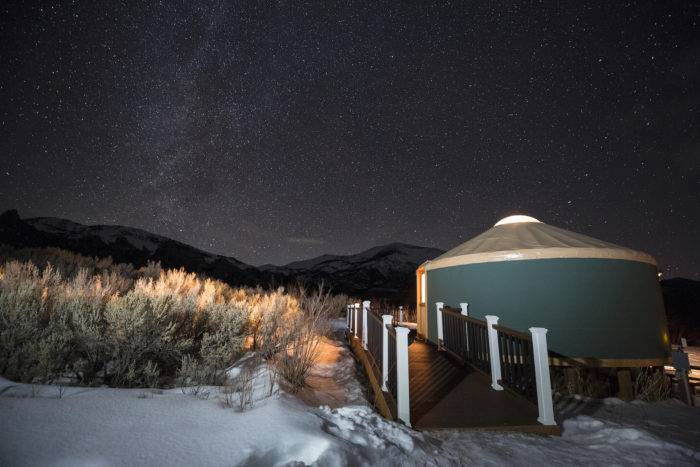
{"type": "Point", "coordinates": [624, 383]}
{"type": "Point", "coordinates": [403, 406]}
{"type": "Point", "coordinates": [494, 353]}
{"type": "Point", "coordinates": [543, 382]}
{"type": "Point", "coordinates": [439, 306]}
{"type": "Point", "coordinates": [386, 321]}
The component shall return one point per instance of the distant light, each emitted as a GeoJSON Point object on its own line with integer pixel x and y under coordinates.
{"type": "Point", "coordinates": [516, 220]}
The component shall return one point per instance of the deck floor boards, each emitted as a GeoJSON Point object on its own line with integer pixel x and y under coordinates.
{"type": "Point", "coordinates": [445, 394]}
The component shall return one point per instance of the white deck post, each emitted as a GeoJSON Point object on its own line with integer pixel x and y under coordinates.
{"type": "Point", "coordinates": [439, 306]}
{"type": "Point", "coordinates": [365, 309]}
{"type": "Point", "coordinates": [400, 314]}
{"type": "Point", "coordinates": [540, 355]}
{"type": "Point", "coordinates": [347, 317]}
{"type": "Point", "coordinates": [386, 321]}
{"type": "Point", "coordinates": [465, 312]}
{"type": "Point", "coordinates": [494, 354]}
{"type": "Point", "coordinates": [355, 307]}
{"type": "Point", "coordinates": [402, 394]}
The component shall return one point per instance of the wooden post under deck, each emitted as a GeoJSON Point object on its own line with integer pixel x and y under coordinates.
{"type": "Point", "coordinates": [624, 381]}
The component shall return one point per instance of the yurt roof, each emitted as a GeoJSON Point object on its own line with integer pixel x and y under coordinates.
{"type": "Point", "coordinates": [522, 237]}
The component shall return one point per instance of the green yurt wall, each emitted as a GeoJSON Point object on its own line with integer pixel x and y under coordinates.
{"type": "Point", "coordinates": [597, 300]}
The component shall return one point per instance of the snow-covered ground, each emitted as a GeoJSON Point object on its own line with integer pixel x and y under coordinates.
{"type": "Point", "coordinates": [103, 426]}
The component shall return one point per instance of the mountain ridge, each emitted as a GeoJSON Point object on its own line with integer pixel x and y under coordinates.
{"type": "Point", "coordinates": [385, 271]}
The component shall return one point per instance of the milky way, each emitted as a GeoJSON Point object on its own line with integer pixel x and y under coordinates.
{"type": "Point", "coordinates": [277, 132]}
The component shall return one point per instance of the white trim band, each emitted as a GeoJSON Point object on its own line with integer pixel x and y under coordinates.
{"type": "Point", "coordinates": [541, 253]}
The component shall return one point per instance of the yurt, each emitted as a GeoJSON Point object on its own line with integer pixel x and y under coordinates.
{"type": "Point", "coordinates": [599, 301]}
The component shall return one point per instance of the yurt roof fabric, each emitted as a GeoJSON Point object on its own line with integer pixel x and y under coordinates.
{"type": "Point", "coordinates": [532, 240]}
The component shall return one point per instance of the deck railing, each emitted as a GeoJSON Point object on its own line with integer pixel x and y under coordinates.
{"type": "Point", "coordinates": [350, 314]}
{"type": "Point", "coordinates": [354, 319]}
{"type": "Point", "coordinates": [466, 338]}
{"type": "Point", "coordinates": [374, 341]}
{"type": "Point", "coordinates": [400, 314]}
{"type": "Point", "coordinates": [360, 324]}
{"type": "Point", "coordinates": [395, 367]}
{"type": "Point", "coordinates": [514, 359]}
{"type": "Point", "coordinates": [517, 365]}
{"type": "Point", "coordinates": [385, 348]}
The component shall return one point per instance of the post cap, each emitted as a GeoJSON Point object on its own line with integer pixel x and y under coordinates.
{"type": "Point", "coordinates": [538, 330]}
{"type": "Point", "coordinates": [387, 319]}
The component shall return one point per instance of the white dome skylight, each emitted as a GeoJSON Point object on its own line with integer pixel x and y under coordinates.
{"type": "Point", "coordinates": [516, 220]}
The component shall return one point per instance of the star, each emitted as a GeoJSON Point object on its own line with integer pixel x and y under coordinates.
{"type": "Point", "coordinates": [236, 127]}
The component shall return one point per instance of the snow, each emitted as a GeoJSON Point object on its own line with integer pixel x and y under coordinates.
{"type": "Point", "coordinates": [105, 426]}
{"type": "Point", "coordinates": [386, 259]}
{"type": "Point", "coordinates": [101, 426]}
{"type": "Point", "coordinates": [585, 441]}
{"type": "Point", "coordinates": [109, 234]}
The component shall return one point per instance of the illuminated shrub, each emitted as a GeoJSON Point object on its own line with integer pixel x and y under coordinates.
{"type": "Point", "coordinates": [88, 320]}
{"type": "Point", "coordinates": [95, 322]}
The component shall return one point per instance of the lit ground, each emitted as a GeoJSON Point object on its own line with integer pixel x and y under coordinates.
{"type": "Point", "coordinates": [333, 381]}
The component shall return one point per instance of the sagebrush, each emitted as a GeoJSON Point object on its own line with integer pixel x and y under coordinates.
{"type": "Point", "coordinates": [89, 321]}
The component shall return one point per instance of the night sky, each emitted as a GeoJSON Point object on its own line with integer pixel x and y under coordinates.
{"type": "Point", "coordinates": [277, 133]}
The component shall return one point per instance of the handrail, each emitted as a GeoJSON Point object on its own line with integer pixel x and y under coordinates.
{"type": "Point", "coordinates": [457, 314]}
{"type": "Point", "coordinates": [512, 332]}
{"type": "Point", "coordinates": [557, 359]}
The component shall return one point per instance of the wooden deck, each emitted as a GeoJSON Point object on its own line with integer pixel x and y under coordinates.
{"type": "Point", "coordinates": [431, 377]}
{"type": "Point", "coordinates": [447, 395]}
